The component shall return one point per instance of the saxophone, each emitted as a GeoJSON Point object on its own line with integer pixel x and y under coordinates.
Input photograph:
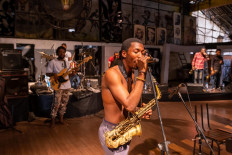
{"type": "Point", "coordinates": [131, 126]}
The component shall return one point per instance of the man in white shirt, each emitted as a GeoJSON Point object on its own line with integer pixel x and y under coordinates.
{"type": "Point", "coordinates": [68, 55]}
{"type": "Point", "coordinates": [61, 96]}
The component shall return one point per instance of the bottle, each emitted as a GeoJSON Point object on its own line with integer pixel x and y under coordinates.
{"type": "Point", "coordinates": [145, 86]}
{"type": "Point", "coordinates": [39, 80]}
{"type": "Point", "coordinates": [223, 86]}
{"type": "Point", "coordinates": [88, 84]}
{"type": "Point", "coordinates": [47, 81]}
{"type": "Point", "coordinates": [206, 86]}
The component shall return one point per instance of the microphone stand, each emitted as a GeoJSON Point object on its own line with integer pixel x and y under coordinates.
{"type": "Point", "coordinates": [201, 134]}
{"type": "Point", "coordinates": [162, 146]}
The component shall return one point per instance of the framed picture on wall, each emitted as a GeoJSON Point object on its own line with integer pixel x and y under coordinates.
{"type": "Point", "coordinates": [189, 30]}
{"type": "Point", "coordinates": [177, 19]}
{"type": "Point", "coordinates": [139, 32]}
{"type": "Point", "coordinates": [151, 36]}
{"type": "Point", "coordinates": [161, 36]}
{"type": "Point", "coordinates": [177, 27]}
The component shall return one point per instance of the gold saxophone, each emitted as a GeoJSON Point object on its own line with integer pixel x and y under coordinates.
{"type": "Point", "coordinates": [129, 127]}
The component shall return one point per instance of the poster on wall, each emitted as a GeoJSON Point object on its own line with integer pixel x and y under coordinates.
{"type": "Point", "coordinates": [189, 30]}
{"type": "Point", "coordinates": [151, 36]}
{"type": "Point", "coordinates": [7, 18]}
{"type": "Point", "coordinates": [111, 27]}
{"type": "Point", "coordinates": [32, 26]}
{"type": "Point", "coordinates": [126, 14]}
{"type": "Point", "coordinates": [161, 36]}
{"type": "Point", "coordinates": [127, 31]}
{"type": "Point", "coordinates": [139, 32]}
{"type": "Point", "coordinates": [165, 19]}
{"type": "Point", "coordinates": [177, 28]}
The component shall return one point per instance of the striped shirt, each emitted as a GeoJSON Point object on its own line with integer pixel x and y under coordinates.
{"type": "Point", "coordinates": [198, 61]}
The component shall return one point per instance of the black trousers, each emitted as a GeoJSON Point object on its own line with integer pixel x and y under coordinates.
{"type": "Point", "coordinates": [216, 80]}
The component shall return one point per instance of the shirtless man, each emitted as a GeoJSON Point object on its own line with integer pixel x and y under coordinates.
{"type": "Point", "coordinates": [119, 95]}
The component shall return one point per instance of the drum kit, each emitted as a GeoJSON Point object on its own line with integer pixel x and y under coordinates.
{"type": "Point", "coordinates": [77, 81]}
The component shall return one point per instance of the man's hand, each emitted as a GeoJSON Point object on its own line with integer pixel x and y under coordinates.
{"type": "Point", "coordinates": [212, 72]}
{"type": "Point", "coordinates": [76, 69]}
{"type": "Point", "coordinates": [142, 64]}
{"type": "Point", "coordinates": [220, 61]}
{"type": "Point", "coordinates": [55, 77]}
{"type": "Point", "coordinates": [193, 68]}
{"type": "Point", "coordinates": [148, 114]}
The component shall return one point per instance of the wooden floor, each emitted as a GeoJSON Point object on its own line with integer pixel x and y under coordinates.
{"type": "Point", "coordinates": [80, 135]}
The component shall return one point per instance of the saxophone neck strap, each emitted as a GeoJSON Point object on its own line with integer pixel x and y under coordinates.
{"type": "Point", "coordinates": [125, 74]}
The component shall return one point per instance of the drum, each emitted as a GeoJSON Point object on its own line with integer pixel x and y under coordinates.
{"type": "Point", "coordinates": [75, 81]}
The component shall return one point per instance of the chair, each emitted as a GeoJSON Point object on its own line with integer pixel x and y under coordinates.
{"type": "Point", "coordinates": [218, 136]}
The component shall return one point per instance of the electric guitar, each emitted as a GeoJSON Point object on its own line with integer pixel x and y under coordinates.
{"type": "Point", "coordinates": [61, 76]}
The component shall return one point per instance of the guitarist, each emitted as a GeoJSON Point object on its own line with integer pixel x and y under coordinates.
{"type": "Point", "coordinates": [61, 96]}
{"type": "Point", "coordinates": [120, 93]}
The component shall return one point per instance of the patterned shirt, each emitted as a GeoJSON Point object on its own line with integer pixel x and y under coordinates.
{"type": "Point", "coordinates": [198, 61]}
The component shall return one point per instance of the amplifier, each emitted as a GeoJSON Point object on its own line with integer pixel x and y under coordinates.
{"type": "Point", "coordinates": [15, 84]}
{"type": "Point", "coordinates": [10, 60]}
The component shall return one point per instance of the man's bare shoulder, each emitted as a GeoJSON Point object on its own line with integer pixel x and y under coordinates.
{"type": "Point", "coordinates": [112, 72]}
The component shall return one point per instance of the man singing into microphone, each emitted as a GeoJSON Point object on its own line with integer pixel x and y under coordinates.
{"type": "Point", "coordinates": [198, 65]}
{"type": "Point", "coordinates": [120, 93]}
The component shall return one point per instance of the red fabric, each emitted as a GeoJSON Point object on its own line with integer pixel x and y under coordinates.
{"type": "Point", "coordinates": [198, 61]}
{"type": "Point", "coordinates": [111, 59]}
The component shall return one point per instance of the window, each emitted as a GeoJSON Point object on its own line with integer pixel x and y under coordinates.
{"type": "Point", "coordinates": [207, 31]}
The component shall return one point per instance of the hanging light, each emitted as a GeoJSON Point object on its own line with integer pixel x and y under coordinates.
{"type": "Point", "coordinates": [67, 4]}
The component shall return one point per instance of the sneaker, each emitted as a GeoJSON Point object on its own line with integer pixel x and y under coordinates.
{"type": "Point", "coordinates": [219, 89]}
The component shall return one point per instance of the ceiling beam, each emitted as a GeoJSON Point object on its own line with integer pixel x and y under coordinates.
{"type": "Point", "coordinates": [209, 4]}
{"type": "Point", "coordinates": [168, 2]}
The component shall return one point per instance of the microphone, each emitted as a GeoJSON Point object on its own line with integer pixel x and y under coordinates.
{"type": "Point", "coordinates": [152, 60]}
{"type": "Point", "coordinates": [175, 91]}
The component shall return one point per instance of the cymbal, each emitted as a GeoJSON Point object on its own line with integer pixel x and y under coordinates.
{"type": "Point", "coordinates": [84, 53]}
{"type": "Point", "coordinates": [47, 56]}
{"type": "Point", "coordinates": [41, 53]}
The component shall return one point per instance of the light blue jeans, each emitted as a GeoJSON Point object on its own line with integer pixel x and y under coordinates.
{"type": "Point", "coordinates": [198, 74]}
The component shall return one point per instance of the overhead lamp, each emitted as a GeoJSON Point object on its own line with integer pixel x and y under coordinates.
{"type": "Point", "coordinates": [192, 2]}
{"type": "Point", "coordinates": [67, 4]}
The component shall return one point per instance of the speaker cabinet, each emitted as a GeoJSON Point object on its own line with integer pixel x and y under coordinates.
{"type": "Point", "coordinates": [10, 60]}
{"type": "Point", "coordinates": [19, 108]}
{"type": "Point", "coordinates": [16, 84]}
